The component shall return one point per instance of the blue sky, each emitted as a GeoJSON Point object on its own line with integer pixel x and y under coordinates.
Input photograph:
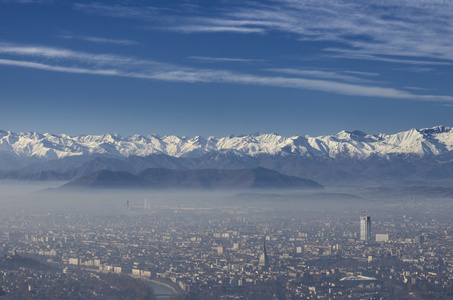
{"type": "Point", "coordinates": [225, 67]}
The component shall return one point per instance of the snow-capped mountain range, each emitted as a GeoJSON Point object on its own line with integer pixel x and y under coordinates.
{"type": "Point", "coordinates": [348, 157]}
{"type": "Point", "coordinates": [420, 143]}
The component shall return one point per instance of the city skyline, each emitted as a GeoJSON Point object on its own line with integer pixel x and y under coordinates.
{"type": "Point", "coordinates": [214, 249]}
{"type": "Point", "coordinates": [219, 68]}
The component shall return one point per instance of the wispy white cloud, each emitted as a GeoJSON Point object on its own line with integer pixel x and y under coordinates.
{"type": "Point", "coordinates": [224, 59]}
{"type": "Point", "coordinates": [100, 40]}
{"type": "Point", "coordinates": [40, 66]}
{"type": "Point", "coordinates": [376, 27]}
{"type": "Point", "coordinates": [320, 74]}
{"type": "Point", "coordinates": [211, 28]}
{"type": "Point", "coordinates": [384, 30]}
{"type": "Point", "coordinates": [340, 53]}
{"type": "Point", "coordinates": [62, 60]}
{"type": "Point", "coordinates": [207, 24]}
{"type": "Point", "coordinates": [165, 19]}
{"type": "Point", "coordinates": [65, 55]}
{"type": "Point", "coordinates": [361, 73]}
{"type": "Point", "coordinates": [416, 69]}
{"type": "Point", "coordinates": [118, 11]}
{"type": "Point", "coordinates": [416, 88]}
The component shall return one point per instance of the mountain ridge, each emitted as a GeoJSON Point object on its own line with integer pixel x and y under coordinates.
{"type": "Point", "coordinates": [158, 178]}
{"type": "Point", "coordinates": [33, 146]}
{"type": "Point", "coordinates": [347, 157]}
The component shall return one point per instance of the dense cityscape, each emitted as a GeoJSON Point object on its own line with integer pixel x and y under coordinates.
{"type": "Point", "coordinates": [256, 251]}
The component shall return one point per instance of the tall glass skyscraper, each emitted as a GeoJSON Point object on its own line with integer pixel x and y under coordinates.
{"type": "Point", "coordinates": [365, 228]}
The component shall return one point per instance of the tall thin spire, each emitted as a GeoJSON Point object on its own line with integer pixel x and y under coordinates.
{"type": "Point", "coordinates": [264, 259]}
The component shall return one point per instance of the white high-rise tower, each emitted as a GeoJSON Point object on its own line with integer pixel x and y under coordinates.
{"type": "Point", "coordinates": [365, 227]}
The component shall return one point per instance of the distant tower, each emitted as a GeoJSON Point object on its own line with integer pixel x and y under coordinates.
{"type": "Point", "coordinates": [365, 227]}
{"type": "Point", "coordinates": [419, 239]}
{"type": "Point", "coordinates": [127, 203]}
{"type": "Point", "coordinates": [144, 204]}
{"type": "Point", "coordinates": [263, 263]}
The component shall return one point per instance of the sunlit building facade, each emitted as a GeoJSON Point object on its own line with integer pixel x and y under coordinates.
{"type": "Point", "coordinates": [365, 228]}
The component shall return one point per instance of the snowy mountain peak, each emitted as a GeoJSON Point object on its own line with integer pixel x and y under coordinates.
{"type": "Point", "coordinates": [434, 141]}
{"type": "Point", "coordinates": [358, 133]}
{"type": "Point", "coordinates": [435, 130]}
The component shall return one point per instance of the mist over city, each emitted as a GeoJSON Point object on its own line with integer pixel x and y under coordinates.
{"type": "Point", "coordinates": [209, 244]}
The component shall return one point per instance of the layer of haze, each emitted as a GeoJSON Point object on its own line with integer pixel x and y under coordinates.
{"type": "Point", "coordinates": [36, 198]}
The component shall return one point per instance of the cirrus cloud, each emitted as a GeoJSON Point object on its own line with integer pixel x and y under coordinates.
{"type": "Point", "coordinates": [369, 30]}
{"type": "Point", "coordinates": [63, 60]}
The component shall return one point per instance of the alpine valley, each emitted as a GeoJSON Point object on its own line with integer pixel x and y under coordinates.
{"type": "Point", "coordinates": [347, 158]}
